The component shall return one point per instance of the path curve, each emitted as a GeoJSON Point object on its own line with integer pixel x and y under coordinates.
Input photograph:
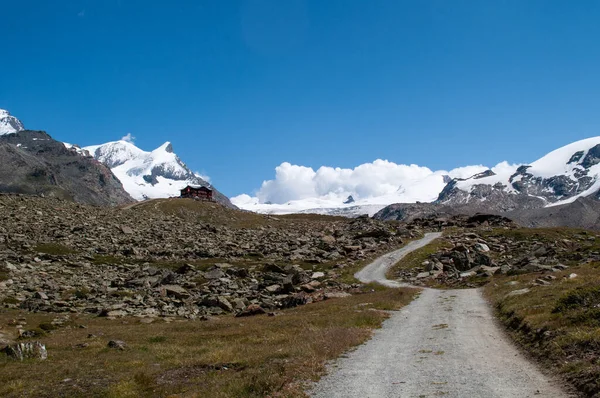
{"type": "Point", "coordinates": [446, 343]}
{"type": "Point", "coordinates": [375, 272]}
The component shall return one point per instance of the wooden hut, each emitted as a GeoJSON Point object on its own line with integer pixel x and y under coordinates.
{"type": "Point", "coordinates": [197, 192]}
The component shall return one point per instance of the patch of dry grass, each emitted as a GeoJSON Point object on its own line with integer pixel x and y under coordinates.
{"type": "Point", "coordinates": [217, 214]}
{"type": "Point", "coordinates": [559, 323]}
{"type": "Point", "coordinates": [225, 357]}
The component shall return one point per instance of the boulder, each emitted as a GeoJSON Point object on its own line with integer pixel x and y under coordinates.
{"type": "Point", "coordinates": [20, 351]}
{"type": "Point", "coordinates": [117, 344]}
{"type": "Point", "coordinates": [251, 310]}
{"type": "Point", "coordinates": [175, 291]}
{"type": "Point", "coordinates": [214, 274]}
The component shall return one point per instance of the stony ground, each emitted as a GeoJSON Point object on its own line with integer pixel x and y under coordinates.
{"type": "Point", "coordinates": [175, 257]}
{"type": "Point", "coordinates": [468, 258]}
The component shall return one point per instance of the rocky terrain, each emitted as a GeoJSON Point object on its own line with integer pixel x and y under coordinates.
{"type": "Point", "coordinates": [32, 162]}
{"type": "Point", "coordinates": [469, 258]}
{"type": "Point", "coordinates": [176, 257]}
{"type": "Point", "coordinates": [584, 212]}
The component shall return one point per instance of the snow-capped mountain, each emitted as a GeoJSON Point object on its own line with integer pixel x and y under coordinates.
{"type": "Point", "coordinates": [560, 177]}
{"type": "Point", "coordinates": [148, 175]}
{"type": "Point", "coordinates": [9, 124]}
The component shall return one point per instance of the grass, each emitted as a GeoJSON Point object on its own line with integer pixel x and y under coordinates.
{"type": "Point", "coordinates": [559, 323]}
{"type": "Point", "coordinates": [54, 249]}
{"type": "Point", "coordinates": [190, 209]}
{"type": "Point", "coordinates": [225, 357]}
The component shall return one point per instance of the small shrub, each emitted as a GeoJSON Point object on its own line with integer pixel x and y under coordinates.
{"type": "Point", "coordinates": [157, 339]}
{"type": "Point", "coordinates": [585, 297]}
{"type": "Point", "coordinates": [82, 293]}
{"type": "Point", "coordinates": [54, 249]}
{"type": "Point", "coordinates": [47, 326]}
{"type": "Point", "coordinates": [10, 300]}
{"type": "Point", "coordinates": [122, 293]}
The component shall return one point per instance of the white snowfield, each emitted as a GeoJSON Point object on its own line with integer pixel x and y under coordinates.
{"type": "Point", "coordinates": [9, 124]}
{"type": "Point", "coordinates": [131, 164]}
{"type": "Point", "coordinates": [381, 183]}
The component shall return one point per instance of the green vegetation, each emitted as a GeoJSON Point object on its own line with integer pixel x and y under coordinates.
{"type": "Point", "coordinates": [190, 209]}
{"type": "Point", "coordinates": [54, 249]}
{"type": "Point", "coordinates": [558, 323]}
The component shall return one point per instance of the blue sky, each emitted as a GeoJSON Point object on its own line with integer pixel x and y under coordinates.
{"type": "Point", "coordinates": [241, 86]}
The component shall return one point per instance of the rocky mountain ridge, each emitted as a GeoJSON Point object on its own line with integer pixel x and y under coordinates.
{"type": "Point", "coordinates": [143, 175]}
{"type": "Point", "coordinates": [32, 162]}
{"type": "Point", "coordinates": [560, 177]}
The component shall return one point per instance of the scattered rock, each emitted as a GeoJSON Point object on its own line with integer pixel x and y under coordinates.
{"type": "Point", "coordinates": [518, 292]}
{"type": "Point", "coordinates": [117, 344]}
{"type": "Point", "coordinates": [20, 351]}
{"type": "Point", "coordinates": [251, 310]}
{"type": "Point", "coordinates": [317, 275]}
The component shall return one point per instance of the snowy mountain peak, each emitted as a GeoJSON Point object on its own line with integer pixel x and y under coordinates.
{"type": "Point", "coordinates": [166, 147]}
{"type": "Point", "coordinates": [560, 177]}
{"type": "Point", "coordinates": [9, 124]}
{"type": "Point", "coordinates": [115, 153]}
{"type": "Point", "coordinates": [147, 175]}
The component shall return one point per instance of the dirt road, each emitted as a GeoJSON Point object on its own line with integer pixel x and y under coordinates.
{"type": "Point", "coordinates": [446, 343]}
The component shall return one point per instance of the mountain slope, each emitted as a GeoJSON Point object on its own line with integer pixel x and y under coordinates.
{"type": "Point", "coordinates": [148, 175]}
{"type": "Point", "coordinates": [560, 177]}
{"type": "Point", "coordinates": [31, 162]}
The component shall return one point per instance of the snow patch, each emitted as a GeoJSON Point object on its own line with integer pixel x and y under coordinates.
{"type": "Point", "coordinates": [9, 124]}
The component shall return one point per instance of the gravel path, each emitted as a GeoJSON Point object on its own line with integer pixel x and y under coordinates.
{"type": "Point", "coordinates": [446, 343]}
{"type": "Point", "coordinates": [375, 272]}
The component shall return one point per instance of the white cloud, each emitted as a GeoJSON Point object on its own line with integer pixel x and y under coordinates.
{"type": "Point", "coordinates": [128, 138]}
{"type": "Point", "coordinates": [81, 14]}
{"type": "Point", "coordinates": [387, 181]}
{"type": "Point", "coordinates": [203, 176]}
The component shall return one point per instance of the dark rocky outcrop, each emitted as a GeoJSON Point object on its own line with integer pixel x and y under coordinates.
{"type": "Point", "coordinates": [32, 162]}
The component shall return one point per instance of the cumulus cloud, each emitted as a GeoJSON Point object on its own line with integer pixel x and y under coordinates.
{"type": "Point", "coordinates": [128, 138]}
{"type": "Point", "coordinates": [381, 179]}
